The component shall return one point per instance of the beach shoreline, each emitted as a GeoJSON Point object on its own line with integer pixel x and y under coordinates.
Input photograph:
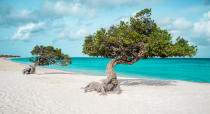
{"type": "Point", "coordinates": [122, 77]}
{"type": "Point", "coordinates": [52, 91]}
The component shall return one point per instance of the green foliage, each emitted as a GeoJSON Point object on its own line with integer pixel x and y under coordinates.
{"type": "Point", "coordinates": [141, 33]}
{"type": "Point", "coordinates": [49, 55]}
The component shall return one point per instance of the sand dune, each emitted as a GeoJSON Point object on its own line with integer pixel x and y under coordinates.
{"type": "Point", "coordinates": [52, 91]}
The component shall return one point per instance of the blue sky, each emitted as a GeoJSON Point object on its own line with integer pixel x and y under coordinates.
{"type": "Point", "coordinates": [65, 23]}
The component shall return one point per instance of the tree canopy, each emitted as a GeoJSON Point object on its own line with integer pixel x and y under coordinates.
{"type": "Point", "coordinates": [46, 55]}
{"type": "Point", "coordinates": [140, 37]}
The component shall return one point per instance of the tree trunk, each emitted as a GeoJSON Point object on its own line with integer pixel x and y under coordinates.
{"type": "Point", "coordinates": [111, 83]}
{"type": "Point", "coordinates": [35, 65]}
{"type": "Point", "coordinates": [33, 68]}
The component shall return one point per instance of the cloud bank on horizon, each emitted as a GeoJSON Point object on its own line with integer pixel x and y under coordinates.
{"type": "Point", "coordinates": [65, 23]}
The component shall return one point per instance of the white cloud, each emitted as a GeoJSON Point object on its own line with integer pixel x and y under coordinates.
{"type": "Point", "coordinates": [11, 17]}
{"type": "Point", "coordinates": [72, 34]}
{"type": "Point", "coordinates": [177, 27]}
{"type": "Point", "coordinates": [197, 32]}
{"type": "Point", "coordinates": [174, 24]}
{"type": "Point", "coordinates": [165, 23]}
{"type": "Point", "coordinates": [62, 7]}
{"type": "Point", "coordinates": [24, 32]}
{"type": "Point", "coordinates": [67, 8]}
{"type": "Point", "coordinates": [53, 9]}
{"type": "Point", "coordinates": [81, 32]}
{"type": "Point", "coordinates": [87, 8]}
{"type": "Point", "coordinates": [201, 30]}
{"type": "Point", "coordinates": [207, 15]}
{"type": "Point", "coordinates": [119, 2]}
{"type": "Point", "coordinates": [182, 24]}
{"type": "Point", "coordinates": [49, 10]}
{"type": "Point", "coordinates": [202, 27]}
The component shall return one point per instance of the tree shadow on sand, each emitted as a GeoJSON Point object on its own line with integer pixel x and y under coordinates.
{"type": "Point", "coordinates": [148, 82]}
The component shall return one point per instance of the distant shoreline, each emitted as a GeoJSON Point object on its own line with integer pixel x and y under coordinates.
{"type": "Point", "coordinates": [8, 56]}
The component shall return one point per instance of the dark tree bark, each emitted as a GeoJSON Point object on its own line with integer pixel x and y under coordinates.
{"type": "Point", "coordinates": [111, 83]}
{"type": "Point", "coordinates": [34, 67]}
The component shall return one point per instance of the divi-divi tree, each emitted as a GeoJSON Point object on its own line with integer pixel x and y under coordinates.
{"type": "Point", "coordinates": [46, 55]}
{"type": "Point", "coordinates": [130, 41]}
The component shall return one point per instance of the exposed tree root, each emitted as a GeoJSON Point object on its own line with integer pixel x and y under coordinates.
{"type": "Point", "coordinates": [104, 87]}
{"type": "Point", "coordinates": [95, 86]}
{"type": "Point", "coordinates": [29, 70]}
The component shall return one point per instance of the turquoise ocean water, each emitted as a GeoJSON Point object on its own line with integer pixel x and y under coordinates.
{"type": "Point", "coordinates": [188, 69]}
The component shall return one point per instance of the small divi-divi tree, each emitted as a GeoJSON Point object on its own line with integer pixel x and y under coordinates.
{"type": "Point", "coordinates": [130, 41]}
{"type": "Point", "coordinates": [46, 55]}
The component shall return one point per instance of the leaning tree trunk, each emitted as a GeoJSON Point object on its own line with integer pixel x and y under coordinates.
{"type": "Point", "coordinates": [110, 84]}
{"type": "Point", "coordinates": [33, 68]}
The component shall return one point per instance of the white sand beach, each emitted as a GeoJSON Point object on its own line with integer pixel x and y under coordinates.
{"type": "Point", "coordinates": [52, 91]}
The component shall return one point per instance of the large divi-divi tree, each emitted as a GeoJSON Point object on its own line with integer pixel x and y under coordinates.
{"type": "Point", "coordinates": [46, 55]}
{"type": "Point", "coordinates": [130, 41]}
